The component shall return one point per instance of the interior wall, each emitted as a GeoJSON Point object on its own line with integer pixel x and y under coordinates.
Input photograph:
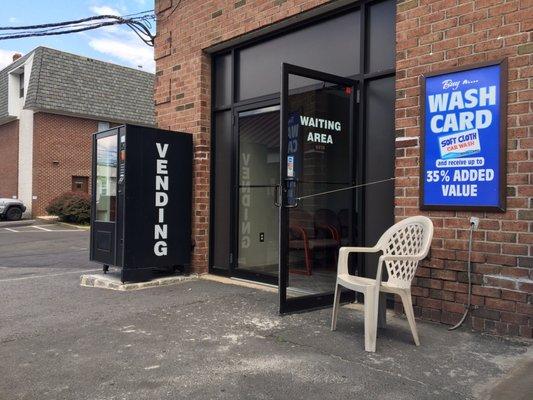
{"type": "Point", "coordinates": [257, 211]}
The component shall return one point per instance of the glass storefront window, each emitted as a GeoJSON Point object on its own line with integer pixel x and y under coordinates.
{"type": "Point", "coordinates": [321, 158]}
{"type": "Point", "coordinates": [331, 46]}
{"type": "Point", "coordinates": [381, 36]}
{"type": "Point", "coordinates": [106, 178]}
{"type": "Point", "coordinates": [258, 178]}
{"type": "Point", "coordinates": [222, 87]}
{"type": "Point", "coordinates": [222, 170]}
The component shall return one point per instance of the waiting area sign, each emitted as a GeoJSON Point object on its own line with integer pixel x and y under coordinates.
{"type": "Point", "coordinates": [463, 143]}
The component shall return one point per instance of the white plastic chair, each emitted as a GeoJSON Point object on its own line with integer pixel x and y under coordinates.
{"type": "Point", "coordinates": [403, 245]}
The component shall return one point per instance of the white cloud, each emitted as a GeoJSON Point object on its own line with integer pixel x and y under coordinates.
{"type": "Point", "coordinates": [13, 19]}
{"type": "Point", "coordinates": [6, 57]}
{"type": "Point", "coordinates": [119, 43]}
{"type": "Point", "coordinates": [105, 10]}
{"type": "Point", "coordinates": [127, 48]}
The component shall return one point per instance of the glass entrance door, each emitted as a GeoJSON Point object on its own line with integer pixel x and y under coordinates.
{"type": "Point", "coordinates": [257, 179]}
{"type": "Point", "coordinates": [317, 212]}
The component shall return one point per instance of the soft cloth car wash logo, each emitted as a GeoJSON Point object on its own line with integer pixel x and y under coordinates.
{"type": "Point", "coordinates": [459, 144]}
{"type": "Point", "coordinates": [161, 200]}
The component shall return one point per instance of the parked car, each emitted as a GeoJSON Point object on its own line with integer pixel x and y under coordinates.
{"type": "Point", "coordinates": [11, 209]}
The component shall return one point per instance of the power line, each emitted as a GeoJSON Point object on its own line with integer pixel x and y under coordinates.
{"type": "Point", "coordinates": [345, 188]}
{"type": "Point", "coordinates": [140, 12]}
{"type": "Point", "coordinates": [171, 12]}
{"type": "Point", "coordinates": [48, 33]}
{"type": "Point", "coordinates": [139, 23]}
{"type": "Point", "coordinates": [55, 28]}
{"type": "Point", "coordinates": [72, 22]}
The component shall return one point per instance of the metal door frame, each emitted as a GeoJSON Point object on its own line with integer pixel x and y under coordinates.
{"type": "Point", "coordinates": [94, 221]}
{"type": "Point", "coordinates": [307, 302]}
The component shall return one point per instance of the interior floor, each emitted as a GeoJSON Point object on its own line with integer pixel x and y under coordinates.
{"type": "Point", "coordinates": [321, 280]}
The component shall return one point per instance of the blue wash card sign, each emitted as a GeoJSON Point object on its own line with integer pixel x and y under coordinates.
{"type": "Point", "coordinates": [463, 139]}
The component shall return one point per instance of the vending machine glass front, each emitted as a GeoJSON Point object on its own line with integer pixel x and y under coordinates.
{"type": "Point", "coordinates": [106, 178]}
{"type": "Point", "coordinates": [104, 198]}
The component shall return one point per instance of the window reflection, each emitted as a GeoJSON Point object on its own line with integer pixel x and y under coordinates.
{"type": "Point", "coordinates": [318, 168]}
{"type": "Point", "coordinates": [106, 178]}
{"type": "Point", "coordinates": [258, 177]}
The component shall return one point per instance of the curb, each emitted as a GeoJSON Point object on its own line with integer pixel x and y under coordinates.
{"type": "Point", "coordinates": [112, 282]}
{"type": "Point", "coordinates": [80, 227]}
{"type": "Point", "coordinates": [13, 224]}
{"type": "Point", "coordinates": [47, 219]}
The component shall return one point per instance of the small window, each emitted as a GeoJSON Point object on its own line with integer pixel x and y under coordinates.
{"type": "Point", "coordinates": [103, 126]}
{"type": "Point", "coordinates": [21, 85]}
{"type": "Point", "coordinates": [80, 184]}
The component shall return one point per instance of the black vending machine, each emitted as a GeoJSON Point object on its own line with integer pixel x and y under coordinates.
{"type": "Point", "coordinates": [141, 201]}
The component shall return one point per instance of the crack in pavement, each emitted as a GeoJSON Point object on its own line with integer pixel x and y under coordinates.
{"type": "Point", "coordinates": [359, 361]}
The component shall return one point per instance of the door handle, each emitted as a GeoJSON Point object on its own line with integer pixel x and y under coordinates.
{"type": "Point", "coordinates": [294, 192]}
{"type": "Point", "coordinates": [278, 195]}
{"type": "Point", "coordinates": [277, 201]}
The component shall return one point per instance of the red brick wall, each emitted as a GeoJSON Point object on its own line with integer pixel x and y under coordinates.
{"type": "Point", "coordinates": [183, 78]}
{"type": "Point", "coordinates": [64, 139]}
{"type": "Point", "coordinates": [9, 150]}
{"type": "Point", "coordinates": [433, 35]}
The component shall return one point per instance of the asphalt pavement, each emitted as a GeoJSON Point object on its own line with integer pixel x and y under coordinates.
{"type": "Point", "coordinates": [208, 340]}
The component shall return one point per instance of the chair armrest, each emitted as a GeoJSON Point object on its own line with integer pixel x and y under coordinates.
{"type": "Point", "coordinates": [299, 231]}
{"type": "Point", "coordinates": [348, 250]}
{"type": "Point", "coordinates": [335, 232]}
{"type": "Point", "coordinates": [328, 228]}
{"type": "Point", "coordinates": [344, 252]}
{"type": "Point", "coordinates": [414, 257]}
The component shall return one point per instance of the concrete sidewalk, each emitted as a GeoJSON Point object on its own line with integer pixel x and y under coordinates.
{"type": "Point", "coordinates": [206, 340]}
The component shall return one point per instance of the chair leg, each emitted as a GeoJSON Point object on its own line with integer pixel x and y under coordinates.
{"type": "Point", "coordinates": [308, 259]}
{"type": "Point", "coordinates": [408, 307]}
{"type": "Point", "coordinates": [336, 301]}
{"type": "Point", "coordinates": [335, 259]}
{"type": "Point", "coordinates": [371, 319]}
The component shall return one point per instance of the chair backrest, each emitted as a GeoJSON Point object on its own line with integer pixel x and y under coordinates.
{"type": "Point", "coordinates": [301, 218]}
{"type": "Point", "coordinates": [325, 216]}
{"type": "Point", "coordinates": [411, 236]}
{"type": "Point", "coordinates": [343, 217]}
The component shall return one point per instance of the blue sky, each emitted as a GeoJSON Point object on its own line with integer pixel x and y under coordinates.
{"type": "Point", "coordinates": [116, 44]}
